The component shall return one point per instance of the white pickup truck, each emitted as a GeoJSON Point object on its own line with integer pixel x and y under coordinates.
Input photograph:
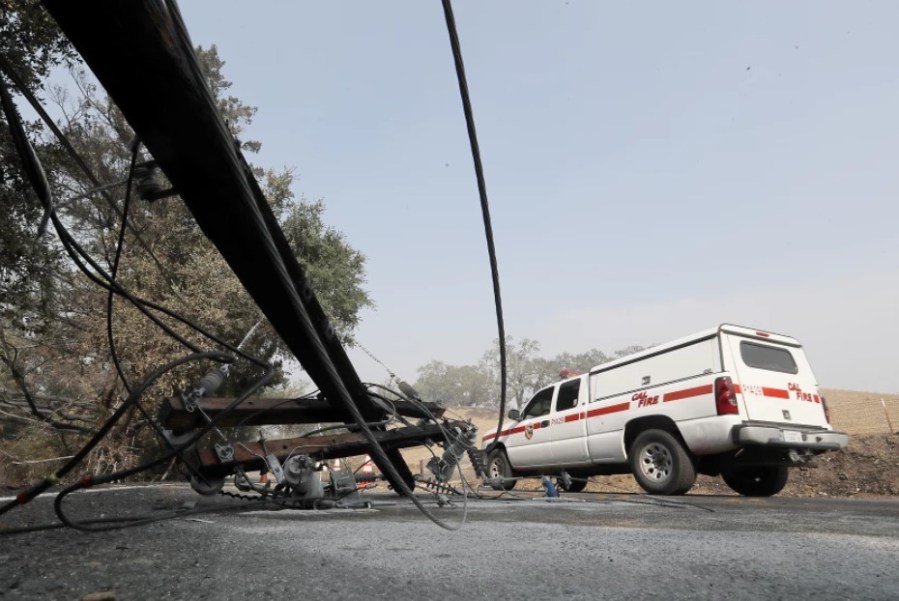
{"type": "Point", "coordinates": [733, 401]}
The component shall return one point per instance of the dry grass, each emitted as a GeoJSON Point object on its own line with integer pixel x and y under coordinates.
{"type": "Point", "coordinates": [862, 412]}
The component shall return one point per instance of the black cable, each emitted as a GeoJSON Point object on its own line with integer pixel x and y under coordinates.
{"type": "Point", "coordinates": [31, 493]}
{"type": "Point", "coordinates": [109, 300]}
{"type": "Point", "coordinates": [76, 252]}
{"type": "Point", "coordinates": [88, 481]}
{"type": "Point", "coordinates": [34, 172]}
{"type": "Point", "coordinates": [115, 268]}
{"type": "Point", "coordinates": [104, 280]}
{"type": "Point", "coordinates": [485, 207]}
{"type": "Point", "coordinates": [392, 406]}
{"type": "Point", "coordinates": [429, 415]}
{"type": "Point", "coordinates": [73, 248]}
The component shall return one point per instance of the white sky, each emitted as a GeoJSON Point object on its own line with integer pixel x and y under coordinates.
{"type": "Point", "coordinates": [653, 168]}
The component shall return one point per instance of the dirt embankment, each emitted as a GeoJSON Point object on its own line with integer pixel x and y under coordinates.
{"type": "Point", "coordinates": [868, 468]}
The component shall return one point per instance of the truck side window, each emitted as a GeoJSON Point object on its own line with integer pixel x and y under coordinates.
{"type": "Point", "coordinates": [568, 394]}
{"type": "Point", "coordinates": [540, 404]}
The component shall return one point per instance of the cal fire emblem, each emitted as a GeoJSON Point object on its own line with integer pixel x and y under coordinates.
{"type": "Point", "coordinates": [529, 431]}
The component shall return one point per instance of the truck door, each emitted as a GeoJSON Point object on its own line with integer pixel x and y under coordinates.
{"type": "Point", "coordinates": [528, 444]}
{"type": "Point", "coordinates": [567, 424]}
{"type": "Point", "coordinates": [775, 382]}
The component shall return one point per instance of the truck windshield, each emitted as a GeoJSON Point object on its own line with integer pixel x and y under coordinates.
{"type": "Point", "coordinates": [768, 357]}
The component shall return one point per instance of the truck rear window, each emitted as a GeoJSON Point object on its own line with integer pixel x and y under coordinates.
{"type": "Point", "coordinates": [768, 357]}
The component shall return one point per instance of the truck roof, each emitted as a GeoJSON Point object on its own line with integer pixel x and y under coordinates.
{"type": "Point", "coordinates": [702, 335]}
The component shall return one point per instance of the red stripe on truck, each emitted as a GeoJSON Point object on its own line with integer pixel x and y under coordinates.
{"type": "Point", "coordinates": [511, 431]}
{"type": "Point", "coordinates": [687, 393]}
{"type": "Point", "coordinates": [676, 395]}
{"type": "Point", "coordinates": [504, 433]}
{"type": "Point", "coordinates": [609, 409]}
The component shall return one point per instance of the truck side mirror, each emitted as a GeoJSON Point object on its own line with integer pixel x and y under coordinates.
{"type": "Point", "coordinates": [514, 414]}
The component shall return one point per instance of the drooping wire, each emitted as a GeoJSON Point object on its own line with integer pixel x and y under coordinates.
{"type": "Point", "coordinates": [34, 171]}
{"type": "Point", "coordinates": [54, 478]}
{"type": "Point", "coordinates": [375, 359]}
{"type": "Point", "coordinates": [111, 294]}
{"type": "Point", "coordinates": [89, 481]}
{"type": "Point", "coordinates": [115, 268]}
{"type": "Point", "coordinates": [81, 259]}
{"type": "Point", "coordinates": [485, 207]}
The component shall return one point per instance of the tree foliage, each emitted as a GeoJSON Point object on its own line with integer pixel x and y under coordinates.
{"type": "Point", "coordinates": [464, 384]}
{"type": "Point", "coordinates": [526, 371]}
{"type": "Point", "coordinates": [31, 44]}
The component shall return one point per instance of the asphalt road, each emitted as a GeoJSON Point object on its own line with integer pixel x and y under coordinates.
{"type": "Point", "coordinates": [585, 547]}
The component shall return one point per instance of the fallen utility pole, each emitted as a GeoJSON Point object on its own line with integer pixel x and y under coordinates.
{"type": "Point", "coordinates": [140, 53]}
{"type": "Point", "coordinates": [250, 454]}
{"type": "Point", "coordinates": [178, 416]}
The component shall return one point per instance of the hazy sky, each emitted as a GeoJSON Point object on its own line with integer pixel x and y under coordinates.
{"type": "Point", "coordinates": [653, 168]}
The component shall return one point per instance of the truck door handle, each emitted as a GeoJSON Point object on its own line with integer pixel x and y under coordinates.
{"type": "Point", "coordinates": [544, 423]}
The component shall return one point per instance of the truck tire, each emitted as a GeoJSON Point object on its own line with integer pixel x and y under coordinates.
{"type": "Point", "coordinates": [497, 468]}
{"type": "Point", "coordinates": [660, 464]}
{"type": "Point", "coordinates": [756, 481]}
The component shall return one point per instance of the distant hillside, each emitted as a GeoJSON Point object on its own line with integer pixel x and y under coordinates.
{"type": "Point", "coordinates": [862, 412]}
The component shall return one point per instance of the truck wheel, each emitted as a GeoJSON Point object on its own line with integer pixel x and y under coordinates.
{"type": "Point", "coordinates": [757, 481]}
{"type": "Point", "coordinates": [660, 464]}
{"type": "Point", "coordinates": [498, 468]}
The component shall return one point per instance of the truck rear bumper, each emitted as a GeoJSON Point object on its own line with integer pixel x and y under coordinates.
{"type": "Point", "coordinates": [795, 438]}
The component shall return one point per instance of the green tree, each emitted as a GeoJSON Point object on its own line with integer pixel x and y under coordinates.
{"type": "Point", "coordinates": [456, 385]}
{"type": "Point", "coordinates": [335, 269]}
{"type": "Point", "coordinates": [30, 45]}
{"type": "Point", "coordinates": [522, 368]}
{"type": "Point", "coordinates": [527, 373]}
{"type": "Point", "coordinates": [549, 370]}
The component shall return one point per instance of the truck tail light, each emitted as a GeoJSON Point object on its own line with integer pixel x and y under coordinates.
{"type": "Point", "coordinates": [726, 397]}
{"type": "Point", "coordinates": [826, 410]}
